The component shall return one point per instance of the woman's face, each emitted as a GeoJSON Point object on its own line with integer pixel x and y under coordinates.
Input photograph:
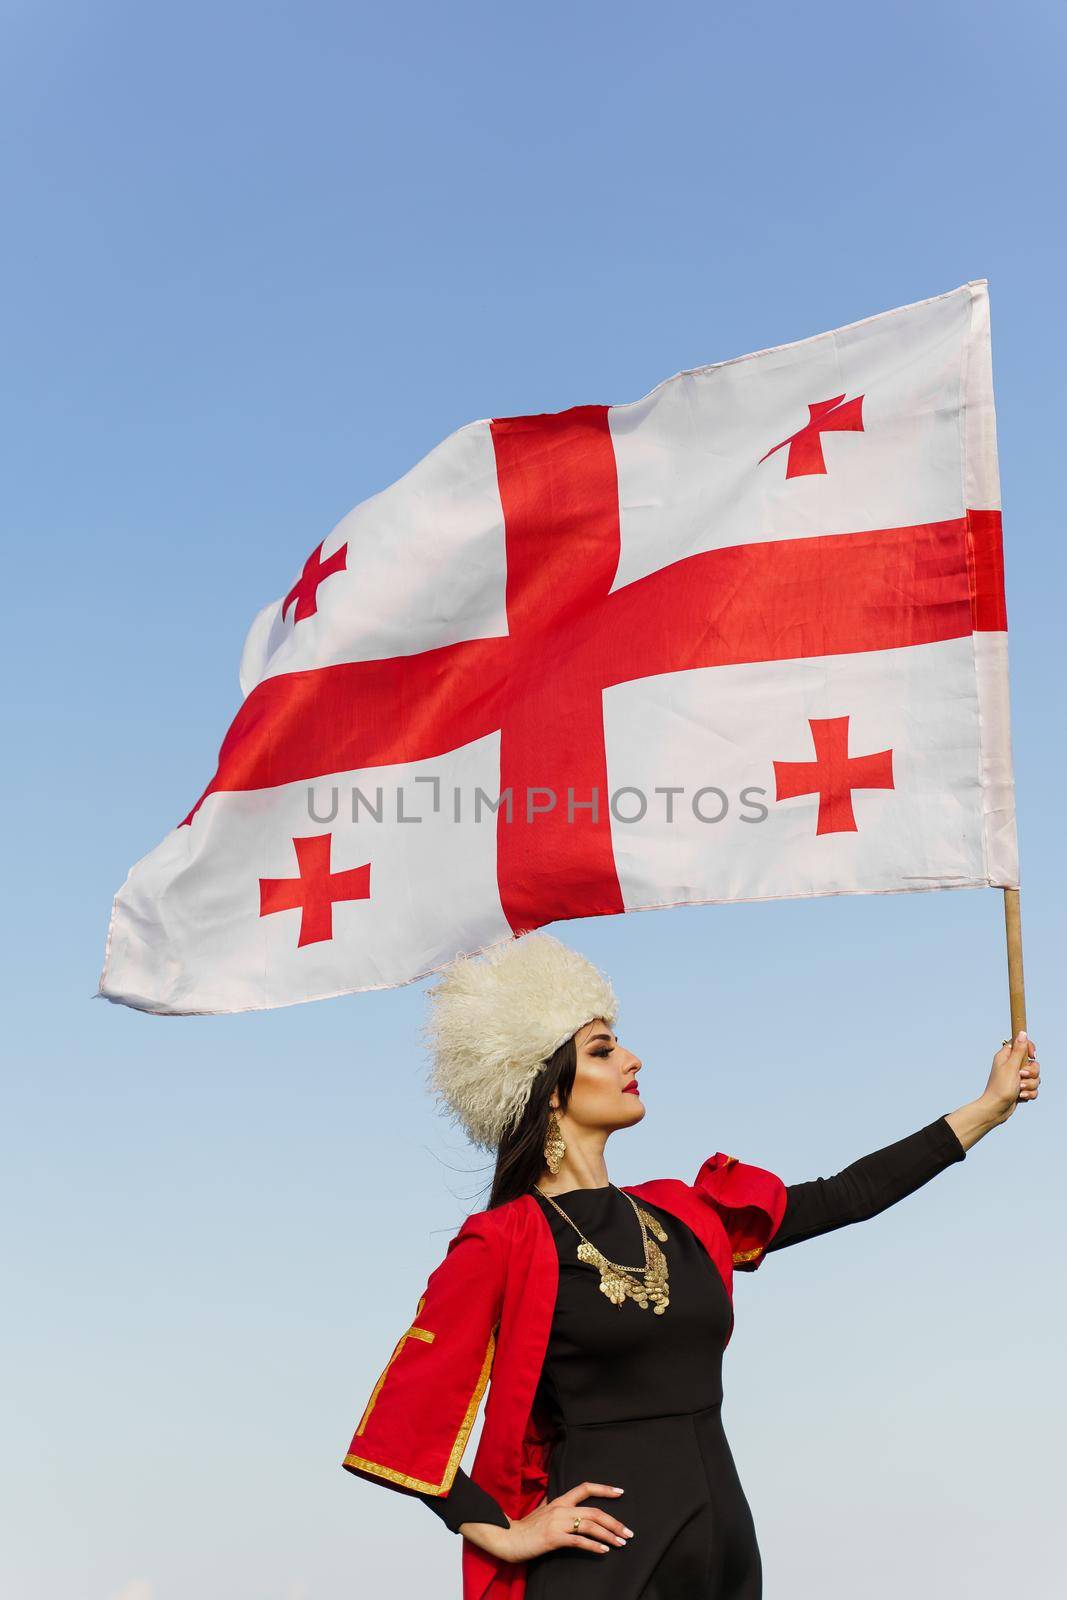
{"type": "Point", "coordinates": [605, 1081]}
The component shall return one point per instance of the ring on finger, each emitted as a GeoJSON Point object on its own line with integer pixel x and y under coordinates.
{"type": "Point", "coordinates": [577, 1525]}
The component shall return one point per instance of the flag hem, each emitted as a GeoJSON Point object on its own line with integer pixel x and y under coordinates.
{"type": "Point", "coordinates": [162, 1010]}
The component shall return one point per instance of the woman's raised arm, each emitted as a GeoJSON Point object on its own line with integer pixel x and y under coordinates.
{"type": "Point", "coordinates": [867, 1186]}
{"type": "Point", "coordinates": [879, 1180]}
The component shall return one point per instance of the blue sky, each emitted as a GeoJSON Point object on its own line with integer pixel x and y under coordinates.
{"type": "Point", "coordinates": [259, 259]}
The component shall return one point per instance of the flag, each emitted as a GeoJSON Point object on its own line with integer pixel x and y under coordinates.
{"type": "Point", "coordinates": [743, 639]}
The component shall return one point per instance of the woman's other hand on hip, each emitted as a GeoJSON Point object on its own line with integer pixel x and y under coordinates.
{"type": "Point", "coordinates": [551, 1526]}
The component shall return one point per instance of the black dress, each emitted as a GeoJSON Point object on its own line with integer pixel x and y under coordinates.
{"type": "Point", "coordinates": [636, 1399]}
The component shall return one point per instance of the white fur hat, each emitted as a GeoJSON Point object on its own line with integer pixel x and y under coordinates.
{"type": "Point", "coordinates": [496, 1019]}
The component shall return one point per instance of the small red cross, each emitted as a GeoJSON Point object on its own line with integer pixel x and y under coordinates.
{"type": "Point", "coordinates": [316, 889]}
{"type": "Point", "coordinates": [805, 446]}
{"type": "Point", "coordinates": [305, 590]}
{"type": "Point", "coordinates": [833, 774]}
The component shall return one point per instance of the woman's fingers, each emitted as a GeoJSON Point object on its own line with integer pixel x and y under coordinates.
{"type": "Point", "coordinates": [600, 1531]}
{"type": "Point", "coordinates": [593, 1530]}
{"type": "Point", "coordinates": [1016, 1071]}
{"type": "Point", "coordinates": [581, 1543]}
{"type": "Point", "coordinates": [593, 1520]}
{"type": "Point", "coordinates": [582, 1491]}
{"type": "Point", "coordinates": [1020, 1049]}
{"type": "Point", "coordinates": [606, 1520]}
{"type": "Point", "coordinates": [1029, 1073]}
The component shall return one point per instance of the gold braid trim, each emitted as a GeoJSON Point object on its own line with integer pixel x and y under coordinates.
{"type": "Point", "coordinates": [361, 1464]}
{"type": "Point", "coordinates": [747, 1255]}
{"type": "Point", "coordinates": [414, 1332]}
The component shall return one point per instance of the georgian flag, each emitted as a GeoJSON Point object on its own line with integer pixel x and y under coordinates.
{"type": "Point", "coordinates": [739, 640]}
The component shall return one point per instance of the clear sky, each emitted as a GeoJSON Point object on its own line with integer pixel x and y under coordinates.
{"type": "Point", "coordinates": [258, 260]}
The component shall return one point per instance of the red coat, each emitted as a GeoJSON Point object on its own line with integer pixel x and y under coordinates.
{"type": "Point", "coordinates": [486, 1312]}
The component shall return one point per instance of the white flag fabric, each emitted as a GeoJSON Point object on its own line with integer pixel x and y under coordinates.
{"type": "Point", "coordinates": [742, 639]}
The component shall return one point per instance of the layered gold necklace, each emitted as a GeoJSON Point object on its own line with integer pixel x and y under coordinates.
{"type": "Point", "coordinates": [645, 1285]}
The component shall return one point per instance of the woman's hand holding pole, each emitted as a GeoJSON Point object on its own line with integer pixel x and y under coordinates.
{"type": "Point", "coordinates": [1013, 1078]}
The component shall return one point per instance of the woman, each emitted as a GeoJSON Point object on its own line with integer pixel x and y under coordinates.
{"type": "Point", "coordinates": [600, 1314]}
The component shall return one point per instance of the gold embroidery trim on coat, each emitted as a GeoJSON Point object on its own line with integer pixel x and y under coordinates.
{"type": "Point", "coordinates": [414, 1332]}
{"type": "Point", "coordinates": [361, 1464]}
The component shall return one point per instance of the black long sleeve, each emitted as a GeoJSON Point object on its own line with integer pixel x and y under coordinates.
{"type": "Point", "coordinates": [868, 1186]}
{"type": "Point", "coordinates": [465, 1502]}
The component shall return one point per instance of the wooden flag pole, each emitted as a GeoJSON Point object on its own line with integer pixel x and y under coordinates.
{"type": "Point", "coordinates": [1013, 930]}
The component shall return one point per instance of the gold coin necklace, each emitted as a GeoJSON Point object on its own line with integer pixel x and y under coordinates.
{"type": "Point", "coordinates": [645, 1285]}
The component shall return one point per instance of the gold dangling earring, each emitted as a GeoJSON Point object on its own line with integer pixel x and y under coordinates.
{"type": "Point", "coordinates": [555, 1144]}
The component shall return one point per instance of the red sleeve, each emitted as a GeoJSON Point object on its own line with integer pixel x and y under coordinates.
{"type": "Point", "coordinates": [416, 1423]}
{"type": "Point", "coordinates": [749, 1200]}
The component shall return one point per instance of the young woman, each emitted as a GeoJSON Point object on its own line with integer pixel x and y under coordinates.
{"type": "Point", "coordinates": [599, 1314]}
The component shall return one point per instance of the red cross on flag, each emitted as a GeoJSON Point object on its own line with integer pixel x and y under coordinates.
{"type": "Point", "coordinates": [739, 640]}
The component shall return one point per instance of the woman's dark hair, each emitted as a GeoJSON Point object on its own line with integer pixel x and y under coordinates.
{"type": "Point", "coordinates": [520, 1157]}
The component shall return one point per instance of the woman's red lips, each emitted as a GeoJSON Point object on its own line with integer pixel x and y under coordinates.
{"type": "Point", "coordinates": [631, 1087]}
